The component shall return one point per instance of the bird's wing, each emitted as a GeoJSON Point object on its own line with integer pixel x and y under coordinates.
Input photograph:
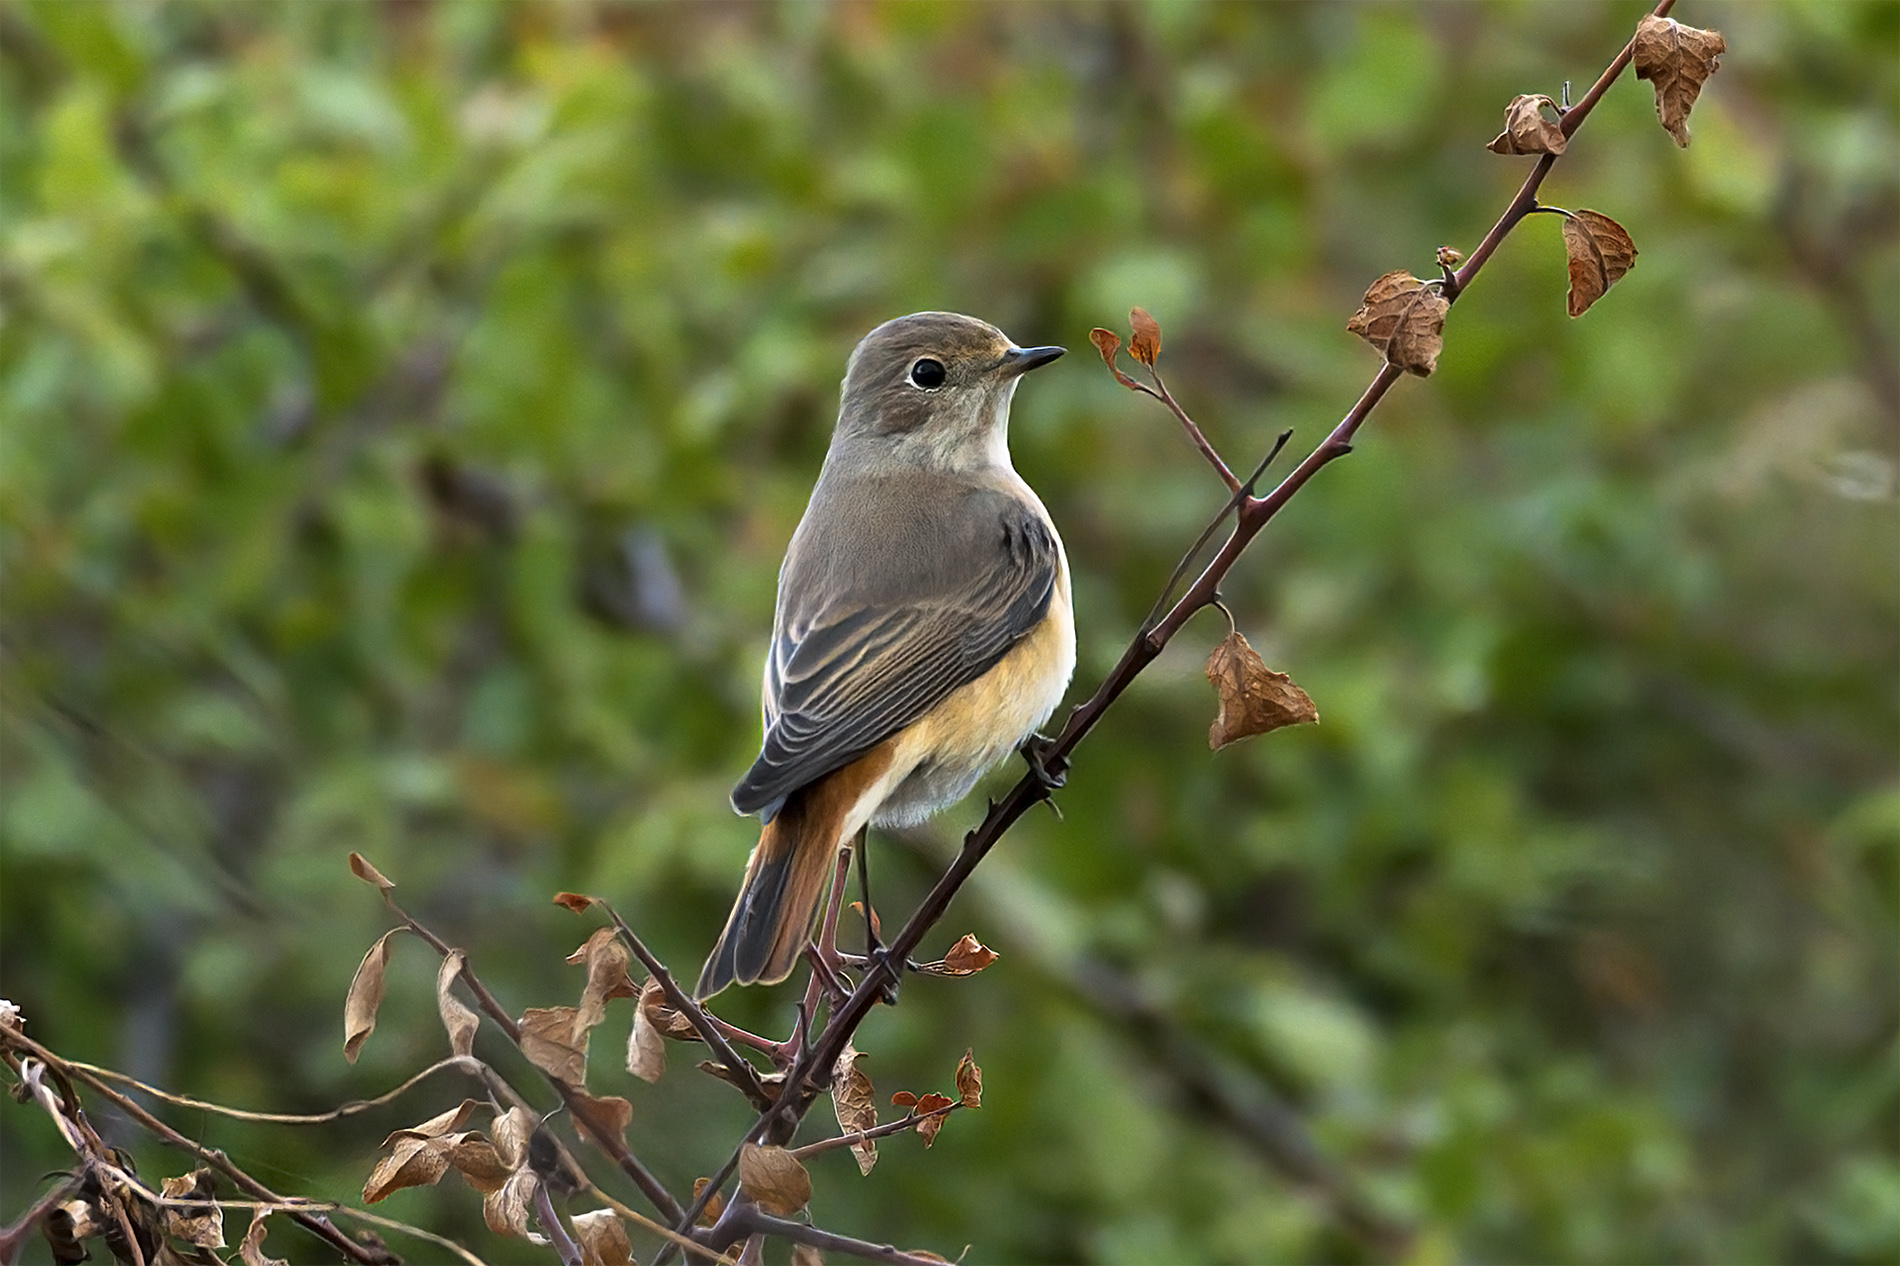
{"type": "Point", "coordinates": [859, 670]}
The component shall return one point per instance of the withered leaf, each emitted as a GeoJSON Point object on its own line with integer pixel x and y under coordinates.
{"type": "Point", "coordinates": [1107, 342]}
{"type": "Point", "coordinates": [1678, 60]}
{"type": "Point", "coordinates": [201, 1225]}
{"type": "Point", "coordinates": [509, 1210]}
{"type": "Point", "coordinates": [931, 1110]}
{"type": "Point", "coordinates": [774, 1179]}
{"type": "Point", "coordinates": [606, 956]}
{"type": "Point", "coordinates": [646, 1048]}
{"type": "Point", "coordinates": [366, 995]}
{"type": "Point", "coordinates": [555, 1042]}
{"type": "Point", "coordinates": [575, 901]}
{"type": "Point", "coordinates": [1145, 345]}
{"type": "Point", "coordinates": [360, 867]}
{"type": "Point", "coordinates": [854, 1099]}
{"type": "Point", "coordinates": [877, 924]}
{"type": "Point", "coordinates": [806, 1255]}
{"type": "Point", "coordinates": [478, 1161]}
{"type": "Point", "coordinates": [967, 957]}
{"type": "Point", "coordinates": [602, 1237]}
{"type": "Point", "coordinates": [609, 1112]}
{"type": "Point", "coordinates": [457, 1016]}
{"type": "Point", "coordinates": [414, 1161]}
{"type": "Point", "coordinates": [1253, 698]}
{"type": "Point", "coordinates": [715, 1204]}
{"type": "Point", "coordinates": [667, 1021]}
{"type": "Point", "coordinates": [969, 1081]}
{"type": "Point", "coordinates": [437, 1126]}
{"type": "Point", "coordinates": [251, 1250]}
{"type": "Point", "coordinates": [1526, 130]}
{"type": "Point", "coordinates": [510, 1132]}
{"type": "Point", "coordinates": [1600, 253]}
{"type": "Point", "coordinates": [1405, 319]}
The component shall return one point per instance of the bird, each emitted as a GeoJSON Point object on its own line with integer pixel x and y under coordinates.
{"type": "Point", "coordinates": [923, 629]}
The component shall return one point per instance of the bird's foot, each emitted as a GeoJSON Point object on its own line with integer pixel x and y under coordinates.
{"type": "Point", "coordinates": [1051, 770]}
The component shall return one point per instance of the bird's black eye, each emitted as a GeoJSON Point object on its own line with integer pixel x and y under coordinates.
{"type": "Point", "coordinates": [927, 373]}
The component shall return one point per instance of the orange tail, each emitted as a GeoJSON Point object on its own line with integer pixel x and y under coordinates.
{"type": "Point", "coordinates": [786, 877]}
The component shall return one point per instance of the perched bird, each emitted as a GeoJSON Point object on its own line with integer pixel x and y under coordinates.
{"type": "Point", "coordinates": [923, 628]}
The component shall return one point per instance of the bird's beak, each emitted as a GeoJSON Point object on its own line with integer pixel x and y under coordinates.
{"type": "Point", "coordinates": [1020, 360]}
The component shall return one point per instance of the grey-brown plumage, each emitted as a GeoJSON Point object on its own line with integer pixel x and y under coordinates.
{"type": "Point", "coordinates": [923, 627]}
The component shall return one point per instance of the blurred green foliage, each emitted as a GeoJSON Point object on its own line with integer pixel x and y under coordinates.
{"type": "Point", "coordinates": [403, 408]}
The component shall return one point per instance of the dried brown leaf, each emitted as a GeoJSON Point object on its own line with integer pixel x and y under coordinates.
{"type": "Point", "coordinates": [458, 1017]}
{"type": "Point", "coordinates": [854, 1099]}
{"type": "Point", "coordinates": [669, 1022]}
{"type": "Point", "coordinates": [479, 1162]}
{"type": "Point", "coordinates": [1405, 319]}
{"type": "Point", "coordinates": [606, 956]}
{"type": "Point", "coordinates": [771, 1083]}
{"type": "Point", "coordinates": [1253, 698]}
{"type": "Point", "coordinates": [806, 1255]}
{"type": "Point", "coordinates": [646, 1048]}
{"type": "Point", "coordinates": [877, 924]}
{"type": "Point", "coordinates": [969, 1081]}
{"type": "Point", "coordinates": [930, 1115]}
{"type": "Point", "coordinates": [511, 1131]}
{"type": "Point", "coordinates": [575, 901]}
{"type": "Point", "coordinates": [1678, 60]}
{"type": "Point", "coordinates": [1526, 130]}
{"type": "Point", "coordinates": [1107, 342]}
{"type": "Point", "coordinates": [555, 1042]}
{"type": "Point", "coordinates": [1145, 345]}
{"type": "Point", "coordinates": [715, 1204]}
{"type": "Point", "coordinates": [366, 995]}
{"type": "Point", "coordinates": [438, 1125]}
{"type": "Point", "coordinates": [414, 1161]}
{"type": "Point", "coordinates": [1600, 253]}
{"type": "Point", "coordinates": [509, 1210]}
{"type": "Point", "coordinates": [360, 867]}
{"type": "Point", "coordinates": [251, 1250]}
{"type": "Point", "coordinates": [611, 1112]}
{"type": "Point", "coordinates": [602, 1237]}
{"type": "Point", "coordinates": [774, 1179]}
{"type": "Point", "coordinates": [904, 1099]}
{"type": "Point", "coordinates": [202, 1226]}
{"type": "Point", "coordinates": [967, 957]}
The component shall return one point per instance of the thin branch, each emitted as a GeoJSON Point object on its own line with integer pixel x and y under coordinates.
{"type": "Point", "coordinates": [756, 1221]}
{"type": "Point", "coordinates": [458, 1063]}
{"type": "Point", "coordinates": [1162, 394]}
{"type": "Point", "coordinates": [909, 1121]}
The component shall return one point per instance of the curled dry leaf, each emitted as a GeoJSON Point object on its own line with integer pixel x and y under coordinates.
{"type": "Point", "coordinates": [609, 1112]}
{"type": "Point", "coordinates": [967, 957]}
{"type": "Point", "coordinates": [1678, 60]}
{"type": "Point", "coordinates": [457, 1016]}
{"type": "Point", "coordinates": [251, 1251]}
{"type": "Point", "coordinates": [366, 995]}
{"type": "Point", "coordinates": [606, 956]}
{"type": "Point", "coordinates": [602, 1237]}
{"type": "Point", "coordinates": [575, 901]}
{"type": "Point", "coordinates": [509, 1210]}
{"type": "Point", "coordinates": [1526, 130]}
{"type": "Point", "coordinates": [1145, 345]}
{"type": "Point", "coordinates": [774, 1179]}
{"type": "Point", "coordinates": [202, 1225]}
{"type": "Point", "coordinates": [510, 1132]}
{"type": "Point", "coordinates": [646, 1048]}
{"type": "Point", "coordinates": [478, 1161]}
{"type": "Point", "coordinates": [667, 1021]}
{"type": "Point", "coordinates": [1253, 698]}
{"type": "Point", "coordinates": [555, 1042]}
{"type": "Point", "coordinates": [969, 1081]}
{"type": "Point", "coordinates": [414, 1161]}
{"type": "Point", "coordinates": [931, 1110]}
{"type": "Point", "coordinates": [1107, 342]}
{"type": "Point", "coordinates": [437, 1126]}
{"type": "Point", "coordinates": [1600, 253]}
{"type": "Point", "coordinates": [854, 1099]}
{"type": "Point", "coordinates": [806, 1255]}
{"type": "Point", "coordinates": [1405, 319]}
{"type": "Point", "coordinates": [715, 1204]}
{"type": "Point", "coordinates": [360, 867]}
{"type": "Point", "coordinates": [771, 1083]}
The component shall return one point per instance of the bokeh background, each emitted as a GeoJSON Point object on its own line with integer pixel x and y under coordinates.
{"type": "Point", "coordinates": [404, 406]}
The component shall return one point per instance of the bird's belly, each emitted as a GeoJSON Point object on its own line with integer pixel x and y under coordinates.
{"type": "Point", "coordinates": [954, 744]}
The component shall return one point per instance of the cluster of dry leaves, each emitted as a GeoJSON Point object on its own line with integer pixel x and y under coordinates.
{"type": "Point", "coordinates": [1404, 316]}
